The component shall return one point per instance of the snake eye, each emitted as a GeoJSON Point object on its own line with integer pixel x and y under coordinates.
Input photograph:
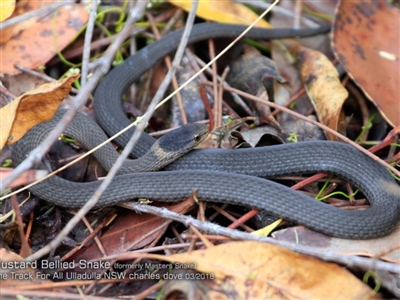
{"type": "Point", "coordinates": [197, 137]}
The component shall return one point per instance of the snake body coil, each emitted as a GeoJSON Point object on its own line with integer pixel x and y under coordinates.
{"type": "Point", "coordinates": [227, 176]}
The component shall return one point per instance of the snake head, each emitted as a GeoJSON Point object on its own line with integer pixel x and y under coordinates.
{"type": "Point", "coordinates": [184, 139]}
{"type": "Point", "coordinates": [172, 146]}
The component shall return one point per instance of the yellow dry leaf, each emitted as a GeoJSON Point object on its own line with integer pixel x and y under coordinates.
{"type": "Point", "coordinates": [223, 12]}
{"type": "Point", "coordinates": [31, 108]}
{"type": "Point", "coordinates": [6, 9]}
{"type": "Point", "coordinates": [267, 229]}
{"type": "Point", "coordinates": [7, 115]}
{"type": "Point", "coordinates": [323, 86]}
{"type": "Point", "coordinates": [255, 270]}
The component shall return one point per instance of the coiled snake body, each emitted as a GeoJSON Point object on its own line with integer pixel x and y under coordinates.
{"type": "Point", "coordinates": [230, 176]}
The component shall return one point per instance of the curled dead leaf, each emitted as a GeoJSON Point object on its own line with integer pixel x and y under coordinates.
{"type": "Point", "coordinates": [321, 81]}
{"type": "Point", "coordinates": [256, 74]}
{"type": "Point", "coordinates": [31, 108]}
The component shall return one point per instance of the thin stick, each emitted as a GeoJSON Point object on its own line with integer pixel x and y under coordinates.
{"type": "Point", "coordinates": [88, 40]}
{"type": "Point", "coordinates": [217, 111]}
{"type": "Point", "coordinates": [41, 76]}
{"type": "Point", "coordinates": [43, 11]}
{"type": "Point", "coordinates": [175, 84]}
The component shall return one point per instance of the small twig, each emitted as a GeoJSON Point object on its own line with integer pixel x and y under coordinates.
{"type": "Point", "coordinates": [220, 95]}
{"type": "Point", "coordinates": [243, 219]}
{"type": "Point", "coordinates": [235, 222]}
{"type": "Point", "coordinates": [44, 11]}
{"type": "Point", "coordinates": [309, 180]}
{"type": "Point", "coordinates": [168, 247]}
{"type": "Point", "coordinates": [93, 234]}
{"type": "Point", "coordinates": [393, 150]}
{"type": "Point", "coordinates": [207, 105]}
{"type": "Point", "coordinates": [41, 76]}
{"type": "Point", "coordinates": [172, 21]}
{"type": "Point", "coordinates": [88, 40]}
{"type": "Point", "coordinates": [202, 238]}
{"type": "Point", "coordinates": [217, 101]}
{"type": "Point", "coordinates": [25, 248]}
{"type": "Point", "coordinates": [167, 60]}
{"type": "Point", "coordinates": [209, 236]}
{"type": "Point", "coordinates": [237, 99]}
{"type": "Point", "coordinates": [297, 14]}
{"type": "Point", "coordinates": [132, 51]}
{"type": "Point", "coordinates": [388, 139]}
{"type": "Point", "coordinates": [8, 96]}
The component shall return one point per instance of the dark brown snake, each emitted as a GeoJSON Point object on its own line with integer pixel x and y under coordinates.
{"type": "Point", "coordinates": [228, 176]}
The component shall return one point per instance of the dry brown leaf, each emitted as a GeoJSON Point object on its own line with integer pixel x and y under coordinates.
{"type": "Point", "coordinates": [262, 136]}
{"type": "Point", "coordinates": [31, 43]}
{"type": "Point", "coordinates": [223, 12]}
{"type": "Point", "coordinates": [255, 270]}
{"type": "Point", "coordinates": [256, 74]}
{"type": "Point", "coordinates": [321, 81]}
{"type": "Point", "coordinates": [366, 42]}
{"type": "Point", "coordinates": [296, 130]}
{"type": "Point", "coordinates": [32, 108]}
{"type": "Point", "coordinates": [370, 248]}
